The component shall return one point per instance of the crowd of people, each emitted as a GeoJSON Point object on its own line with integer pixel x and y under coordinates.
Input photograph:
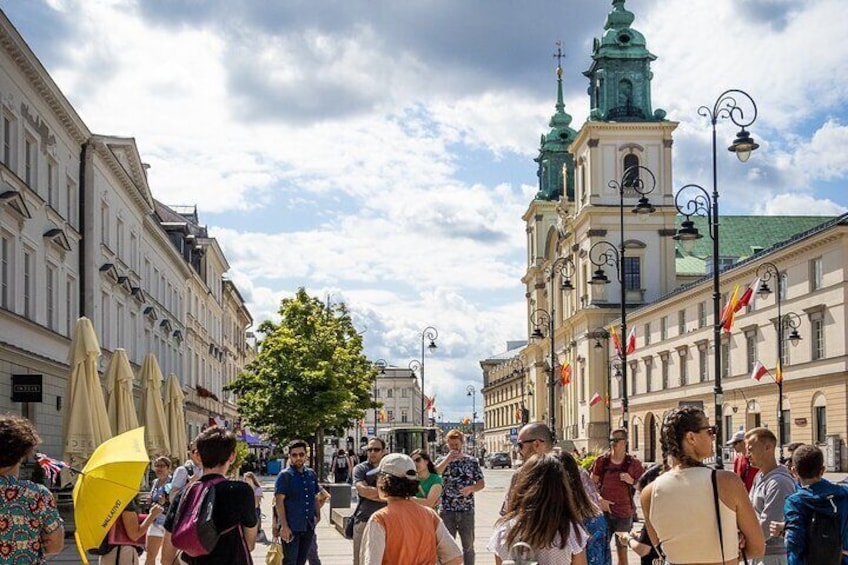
{"type": "Point", "coordinates": [419, 511]}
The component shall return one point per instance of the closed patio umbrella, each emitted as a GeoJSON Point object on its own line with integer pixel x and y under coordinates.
{"type": "Point", "coordinates": [120, 405]}
{"type": "Point", "coordinates": [86, 423]}
{"type": "Point", "coordinates": [175, 414]}
{"type": "Point", "coordinates": [152, 409]}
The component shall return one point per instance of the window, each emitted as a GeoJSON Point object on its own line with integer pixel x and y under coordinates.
{"type": "Point", "coordinates": [816, 273]}
{"type": "Point", "coordinates": [51, 297]}
{"type": "Point", "coordinates": [28, 280]}
{"type": "Point", "coordinates": [104, 321]}
{"type": "Point", "coordinates": [635, 436]}
{"type": "Point", "coordinates": [787, 427]}
{"type": "Point", "coordinates": [70, 311]}
{"type": "Point", "coordinates": [702, 315]}
{"type": "Point", "coordinates": [5, 269]}
{"type": "Point", "coordinates": [51, 185]}
{"type": "Point", "coordinates": [391, 414]}
{"type": "Point", "coordinates": [817, 341]}
{"type": "Point", "coordinates": [683, 370]}
{"type": "Point", "coordinates": [663, 328]}
{"type": "Point", "coordinates": [631, 170]}
{"type": "Point", "coordinates": [751, 348]}
{"type": "Point", "coordinates": [30, 163]}
{"type": "Point", "coordinates": [664, 372]}
{"type": "Point", "coordinates": [8, 137]}
{"type": "Point", "coordinates": [133, 258]}
{"type": "Point", "coordinates": [681, 322]}
{"type": "Point", "coordinates": [632, 273]}
{"type": "Point", "coordinates": [821, 424]}
{"type": "Point", "coordinates": [119, 232]}
{"type": "Point", "coordinates": [647, 333]}
{"type": "Point", "coordinates": [104, 224]}
{"type": "Point", "coordinates": [649, 373]}
{"type": "Point", "coordinates": [702, 364]}
{"type": "Point", "coordinates": [389, 393]}
{"type": "Point", "coordinates": [403, 416]}
{"type": "Point", "coordinates": [725, 359]}
{"type": "Point", "coordinates": [728, 427]}
{"type": "Point", "coordinates": [404, 393]}
{"type": "Point", "coordinates": [119, 317]}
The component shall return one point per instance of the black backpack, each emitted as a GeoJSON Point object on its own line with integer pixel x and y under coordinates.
{"type": "Point", "coordinates": [824, 537]}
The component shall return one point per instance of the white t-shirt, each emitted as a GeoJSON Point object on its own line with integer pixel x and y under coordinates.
{"type": "Point", "coordinates": [546, 556]}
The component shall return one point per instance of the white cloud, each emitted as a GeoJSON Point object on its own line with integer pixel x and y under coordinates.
{"type": "Point", "coordinates": [804, 204]}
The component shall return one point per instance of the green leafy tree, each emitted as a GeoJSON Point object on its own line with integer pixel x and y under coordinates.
{"type": "Point", "coordinates": [309, 377]}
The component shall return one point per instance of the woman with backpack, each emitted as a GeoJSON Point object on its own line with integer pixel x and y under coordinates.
{"type": "Point", "coordinates": [694, 514]}
{"type": "Point", "coordinates": [341, 466]}
{"type": "Point", "coordinates": [125, 540]}
{"type": "Point", "coordinates": [593, 519]}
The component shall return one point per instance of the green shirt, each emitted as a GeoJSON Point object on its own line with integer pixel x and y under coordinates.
{"type": "Point", "coordinates": [425, 485]}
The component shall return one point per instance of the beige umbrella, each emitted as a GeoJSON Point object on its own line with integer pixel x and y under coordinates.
{"type": "Point", "coordinates": [85, 421]}
{"type": "Point", "coordinates": [152, 409]}
{"type": "Point", "coordinates": [175, 413]}
{"type": "Point", "coordinates": [120, 405]}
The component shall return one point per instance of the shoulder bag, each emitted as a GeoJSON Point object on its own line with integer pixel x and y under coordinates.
{"type": "Point", "coordinates": [744, 558]}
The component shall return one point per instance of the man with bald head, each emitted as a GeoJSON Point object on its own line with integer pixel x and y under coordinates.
{"type": "Point", "coordinates": [534, 438]}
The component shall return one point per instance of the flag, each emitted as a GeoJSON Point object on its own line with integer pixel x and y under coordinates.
{"type": "Point", "coordinates": [778, 373]}
{"type": "Point", "coordinates": [565, 374]}
{"type": "Point", "coordinates": [749, 293]}
{"type": "Point", "coordinates": [631, 341]}
{"type": "Point", "coordinates": [595, 399]}
{"type": "Point", "coordinates": [729, 310]}
{"type": "Point", "coordinates": [466, 421]}
{"type": "Point", "coordinates": [615, 341]}
{"type": "Point", "coordinates": [759, 370]}
{"type": "Point", "coordinates": [429, 402]}
{"type": "Point", "coordinates": [51, 467]}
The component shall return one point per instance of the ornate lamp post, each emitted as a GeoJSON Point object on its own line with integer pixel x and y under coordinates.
{"type": "Point", "coordinates": [379, 364]}
{"type": "Point", "coordinates": [540, 318]}
{"type": "Point", "coordinates": [429, 333]}
{"type": "Point", "coordinates": [471, 391]}
{"type": "Point", "coordinates": [703, 204]}
{"type": "Point", "coordinates": [605, 254]}
{"type": "Point", "coordinates": [768, 271]}
{"type": "Point", "coordinates": [599, 335]}
{"type": "Point", "coordinates": [518, 369]}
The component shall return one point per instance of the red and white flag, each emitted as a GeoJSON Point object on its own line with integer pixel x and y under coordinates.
{"type": "Point", "coordinates": [631, 341]}
{"type": "Point", "coordinates": [749, 293]}
{"type": "Point", "coordinates": [758, 371]}
{"type": "Point", "coordinates": [595, 399]}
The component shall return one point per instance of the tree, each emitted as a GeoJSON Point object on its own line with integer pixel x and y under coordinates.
{"type": "Point", "coordinates": [309, 376]}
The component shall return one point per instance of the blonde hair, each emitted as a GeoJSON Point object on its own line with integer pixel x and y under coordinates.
{"type": "Point", "coordinates": [455, 434]}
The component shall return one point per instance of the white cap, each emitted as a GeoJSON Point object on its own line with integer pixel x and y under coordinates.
{"type": "Point", "coordinates": [737, 437]}
{"type": "Point", "coordinates": [397, 465]}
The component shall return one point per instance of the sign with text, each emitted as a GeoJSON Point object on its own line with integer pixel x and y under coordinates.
{"type": "Point", "coordinates": [26, 388]}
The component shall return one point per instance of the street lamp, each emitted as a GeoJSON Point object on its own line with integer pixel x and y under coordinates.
{"type": "Point", "coordinates": [791, 320]}
{"type": "Point", "coordinates": [415, 366]}
{"type": "Point", "coordinates": [470, 391]}
{"type": "Point", "coordinates": [608, 255]}
{"type": "Point", "coordinates": [429, 333]}
{"type": "Point", "coordinates": [725, 107]}
{"type": "Point", "coordinates": [540, 318]}
{"type": "Point", "coordinates": [599, 335]}
{"type": "Point", "coordinates": [379, 364]}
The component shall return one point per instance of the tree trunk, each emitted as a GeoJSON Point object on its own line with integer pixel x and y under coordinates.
{"type": "Point", "coordinates": [319, 455]}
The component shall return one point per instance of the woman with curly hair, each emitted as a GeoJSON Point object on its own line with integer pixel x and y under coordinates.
{"type": "Point", "coordinates": [680, 508]}
{"type": "Point", "coordinates": [30, 526]}
{"type": "Point", "coordinates": [593, 520]}
{"type": "Point", "coordinates": [403, 531]}
{"type": "Point", "coordinates": [541, 516]}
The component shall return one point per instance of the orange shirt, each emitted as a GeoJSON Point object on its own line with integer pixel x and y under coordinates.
{"type": "Point", "coordinates": [410, 533]}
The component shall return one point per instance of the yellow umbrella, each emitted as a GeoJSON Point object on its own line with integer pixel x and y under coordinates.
{"type": "Point", "coordinates": [152, 409]}
{"type": "Point", "coordinates": [120, 405]}
{"type": "Point", "coordinates": [175, 412]}
{"type": "Point", "coordinates": [109, 481]}
{"type": "Point", "coordinates": [86, 423]}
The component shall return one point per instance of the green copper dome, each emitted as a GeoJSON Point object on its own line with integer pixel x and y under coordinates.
{"type": "Point", "coordinates": [620, 74]}
{"type": "Point", "coordinates": [553, 153]}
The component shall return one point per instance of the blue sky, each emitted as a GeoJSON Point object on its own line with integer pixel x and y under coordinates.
{"type": "Point", "coordinates": [381, 152]}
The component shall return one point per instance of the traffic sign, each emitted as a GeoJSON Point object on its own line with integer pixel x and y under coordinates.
{"type": "Point", "coordinates": [513, 434]}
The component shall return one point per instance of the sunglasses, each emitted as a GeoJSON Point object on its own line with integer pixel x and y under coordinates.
{"type": "Point", "coordinates": [298, 454]}
{"type": "Point", "coordinates": [710, 430]}
{"type": "Point", "coordinates": [521, 444]}
{"type": "Point", "coordinates": [374, 449]}
{"type": "Point", "coordinates": [617, 439]}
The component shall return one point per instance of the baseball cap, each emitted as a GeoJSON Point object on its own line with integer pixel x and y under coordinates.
{"type": "Point", "coordinates": [737, 437]}
{"type": "Point", "coordinates": [397, 465]}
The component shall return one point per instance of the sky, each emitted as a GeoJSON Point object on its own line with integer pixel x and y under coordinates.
{"type": "Point", "coordinates": [380, 153]}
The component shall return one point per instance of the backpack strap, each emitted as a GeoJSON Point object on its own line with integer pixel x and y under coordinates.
{"type": "Point", "coordinates": [717, 513]}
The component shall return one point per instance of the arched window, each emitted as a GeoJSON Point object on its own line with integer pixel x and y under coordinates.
{"type": "Point", "coordinates": [631, 170]}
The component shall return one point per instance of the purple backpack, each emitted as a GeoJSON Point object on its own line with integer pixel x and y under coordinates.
{"type": "Point", "coordinates": [194, 530]}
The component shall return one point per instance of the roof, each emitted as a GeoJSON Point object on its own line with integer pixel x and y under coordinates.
{"type": "Point", "coordinates": [740, 237]}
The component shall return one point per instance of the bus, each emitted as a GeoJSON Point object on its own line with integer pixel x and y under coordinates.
{"type": "Point", "coordinates": [408, 439]}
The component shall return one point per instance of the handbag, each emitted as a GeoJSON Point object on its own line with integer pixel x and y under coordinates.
{"type": "Point", "coordinates": [275, 553]}
{"type": "Point", "coordinates": [718, 520]}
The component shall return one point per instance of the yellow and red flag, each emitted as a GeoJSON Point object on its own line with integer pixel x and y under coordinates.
{"type": "Point", "coordinates": [615, 340]}
{"type": "Point", "coordinates": [565, 374]}
{"type": "Point", "coordinates": [729, 311]}
{"type": "Point", "coordinates": [778, 373]}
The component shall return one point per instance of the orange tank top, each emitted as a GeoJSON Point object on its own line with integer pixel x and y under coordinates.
{"type": "Point", "coordinates": [410, 533]}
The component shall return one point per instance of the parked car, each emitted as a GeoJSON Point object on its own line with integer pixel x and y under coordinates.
{"type": "Point", "coordinates": [500, 460]}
